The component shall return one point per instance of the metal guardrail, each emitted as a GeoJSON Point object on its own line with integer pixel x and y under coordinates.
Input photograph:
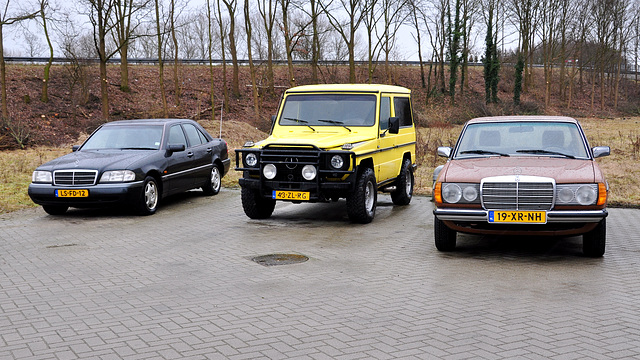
{"type": "Point", "coordinates": [243, 62]}
{"type": "Point", "coordinates": [63, 60]}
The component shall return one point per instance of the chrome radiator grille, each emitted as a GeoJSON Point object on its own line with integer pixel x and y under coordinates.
{"type": "Point", "coordinates": [517, 195]}
{"type": "Point", "coordinates": [75, 177]}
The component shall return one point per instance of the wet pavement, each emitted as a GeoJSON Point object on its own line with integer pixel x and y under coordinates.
{"type": "Point", "coordinates": [183, 284]}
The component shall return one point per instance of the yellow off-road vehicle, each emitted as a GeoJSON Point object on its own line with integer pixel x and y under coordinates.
{"type": "Point", "coordinates": [329, 142]}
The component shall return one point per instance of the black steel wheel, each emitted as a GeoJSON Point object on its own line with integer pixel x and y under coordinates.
{"type": "Point", "coordinates": [256, 206]}
{"type": "Point", "coordinates": [593, 242]}
{"type": "Point", "coordinates": [404, 185]}
{"type": "Point", "coordinates": [445, 238]}
{"type": "Point", "coordinates": [361, 205]}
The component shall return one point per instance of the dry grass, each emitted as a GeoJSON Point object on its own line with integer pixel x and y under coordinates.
{"type": "Point", "coordinates": [622, 168]}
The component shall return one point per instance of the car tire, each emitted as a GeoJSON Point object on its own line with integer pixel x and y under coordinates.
{"type": "Point", "coordinates": [445, 238]}
{"type": "Point", "coordinates": [361, 205]}
{"type": "Point", "coordinates": [593, 242]}
{"type": "Point", "coordinates": [214, 183]}
{"type": "Point", "coordinates": [149, 197]}
{"type": "Point", "coordinates": [256, 206]}
{"type": "Point", "coordinates": [404, 185]}
{"type": "Point", "coordinates": [55, 209]}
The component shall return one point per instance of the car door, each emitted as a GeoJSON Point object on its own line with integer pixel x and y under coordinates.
{"type": "Point", "coordinates": [393, 146]}
{"type": "Point", "coordinates": [177, 175]}
{"type": "Point", "coordinates": [202, 154]}
{"type": "Point", "coordinates": [385, 140]}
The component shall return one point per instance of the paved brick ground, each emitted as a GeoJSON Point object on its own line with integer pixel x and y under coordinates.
{"type": "Point", "coordinates": [181, 284]}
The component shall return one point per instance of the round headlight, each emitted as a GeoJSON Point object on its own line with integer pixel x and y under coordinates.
{"type": "Point", "coordinates": [565, 195]}
{"type": "Point", "coordinates": [251, 159]}
{"type": "Point", "coordinates": [269, 171]}
{"type": "Point", "coordinates": [586, 195]}
{"type": "Point", "coordinates": [337, 162]}
{"type": "Point", "coordinates": [451, 193]}
{"type": "Point", "coordinates": [470, 193]}
{"type": "Point", "coordinates": [309, 172]}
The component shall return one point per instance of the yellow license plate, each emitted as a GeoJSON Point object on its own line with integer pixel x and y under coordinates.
{"type": "Point", "coordinates": [72, 193]}
{"type": "Point", "coordinates": [518, 217]}
{"type": "Point", "coordinates": [291, 195]}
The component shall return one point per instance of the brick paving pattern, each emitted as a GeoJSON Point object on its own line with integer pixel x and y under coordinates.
{"type": "Point", "coordinates": [181, 285]}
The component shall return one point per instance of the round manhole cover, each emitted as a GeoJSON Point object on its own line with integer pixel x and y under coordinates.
{"type": "Point", "coordinates": [279, 259]}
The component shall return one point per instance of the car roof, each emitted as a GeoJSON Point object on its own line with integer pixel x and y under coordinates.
{"type": "Point", "coordinates": [527, 118]}
{"type": "Point", "coordinates": [372, 88]}
{"type": "Point", "coordinates": [146, 122]}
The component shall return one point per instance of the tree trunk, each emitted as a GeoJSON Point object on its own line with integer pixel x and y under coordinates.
{"type": "Point", "coordinates": [3, 78]}
{"type": "Point", "coordinates": [47, 68]}
{"type": "Point", "coordinates": [163, 92]}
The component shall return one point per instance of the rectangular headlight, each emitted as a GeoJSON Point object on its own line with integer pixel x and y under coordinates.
{"type": "Point", "coordinates": [39, 176]}
{"type": "Point", "coordinates": [117, 176]}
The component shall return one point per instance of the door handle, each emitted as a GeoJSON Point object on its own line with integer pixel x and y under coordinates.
{"type": "Point", "coordinates": [189, 154]}
{"type": "Point", "coordinates": [209, 150]}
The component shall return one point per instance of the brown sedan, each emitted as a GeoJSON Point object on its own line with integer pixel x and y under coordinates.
{"type": "Point", "coordinates": [522, 175]}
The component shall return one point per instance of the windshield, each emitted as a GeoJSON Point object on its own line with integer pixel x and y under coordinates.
{"type": "Point", "coordinates": [329, 110]}
{"type": "Point", "coordinates": [522, 139]}
{"type": "Point", "coordinates": [138, 137]}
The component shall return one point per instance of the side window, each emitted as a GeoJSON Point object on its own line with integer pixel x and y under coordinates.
{"type": "Point", "coordinates": [192, 134]}
{"type": "Point", "coordinates": [385, 112]}
{"type": "Point", "coordinates": [403, 110]}
{"type": "Point", "coordinates": [176, 136]}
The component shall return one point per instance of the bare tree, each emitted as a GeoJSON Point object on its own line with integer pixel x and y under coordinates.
{"type": "Point", "coordinates": [232, 6]}
{"type": "Point", "coordinates": [347, 28]}
{"type": "Point", "coordinates": [268, 13]}
{"type": "Point", "coordinates": [125, 27]}
{"type": "Point", "coordinates": [525, 14]}
{"type": "Point", "coordinates": [159, 32]}
{"type": "Point", "coordinates": [223, 29]}
{"type": "Point", "coordinates": [414, 6]}
{"type": "Point", "coordinates": [44, 8]}
{"type": "Point", "coordinates": [252, 70]}
{"type": "Point", "coordinates": [9, 16]}
{"type": "Point", "coordinates": [371, 17]}
{"type": "Point", "coordinates": [393, 16]}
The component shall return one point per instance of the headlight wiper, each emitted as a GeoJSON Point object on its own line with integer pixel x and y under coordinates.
{"type": "Point", "coordinates": [483, 152]}
{"type": "Point", "coordinates": [548, 152]}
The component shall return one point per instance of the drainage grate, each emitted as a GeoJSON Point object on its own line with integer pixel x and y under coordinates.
{"type": "Point", "coordinates": [279, 259]}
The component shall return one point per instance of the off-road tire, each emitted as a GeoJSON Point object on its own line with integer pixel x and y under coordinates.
{"type": "Point", "coordinates": [214, 182]}
{"type": "Point", "coordinates": [445, 238]}
{"type": "Point", "coordinates": [149, 197]}
{"type": "Point", "coordinates": [404, 185]}
{"type": "Point", "coordinates": [593, 242]}
{"type": "Point", "coordinates": [361, 205]}
{"type": "Point", "coordinates": [55, 209]}
{"type": "Point", "coordinates": [256, 206]}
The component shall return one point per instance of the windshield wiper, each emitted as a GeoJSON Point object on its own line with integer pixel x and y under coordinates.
{"type": "Point", "coordinates": [138, 148]}
{"type": "Point", "coordinates": [483, 152]}
{"type": "Point", "coordinates": [336, 122]}
{"type": "Point", "coordinates": [299, 121]}
{"type": "Point", "coordinates": [540, 151]}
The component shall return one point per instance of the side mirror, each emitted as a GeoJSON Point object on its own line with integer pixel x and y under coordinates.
{"type": "Point", "coordinates": [394, 125]}
{"type": "Point", "coordinates": [444, 151]}
{"type": "Point", "coordinates": [171, 148]}
{"type": "Point", "coordinates": [75, 148]}
{"type": "Point", "coordinates": [600, 151]}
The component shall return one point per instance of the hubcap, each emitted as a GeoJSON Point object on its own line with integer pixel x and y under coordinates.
{"type": "Point", "coordinates": [215, 178]}
{"type": "Point", "coordinates": [369, 196]}
{"type": "Point", "coordinates": [151, 195]}
{"type": "Point", "coordinates": [409, 184]}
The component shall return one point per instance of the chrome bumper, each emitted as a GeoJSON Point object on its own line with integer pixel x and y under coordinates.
{"type": "Point", "coordinates": [553, 216]}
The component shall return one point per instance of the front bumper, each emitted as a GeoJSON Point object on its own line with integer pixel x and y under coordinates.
{"type": "Point", "coordinates": [99, 195]}
{"type": "Point", "coordinates": [553, 216]}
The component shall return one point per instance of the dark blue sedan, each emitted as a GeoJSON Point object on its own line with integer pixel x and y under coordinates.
{"type": "Point", "coordinates": [134, 163]}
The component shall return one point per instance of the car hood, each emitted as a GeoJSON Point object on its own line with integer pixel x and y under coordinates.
{"type": "Point", "coordinates": [98, 160]}
{"type": "Point", "coordinates": [562, 170]}
{"type": "Point", "coordinates": [323, 140]}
